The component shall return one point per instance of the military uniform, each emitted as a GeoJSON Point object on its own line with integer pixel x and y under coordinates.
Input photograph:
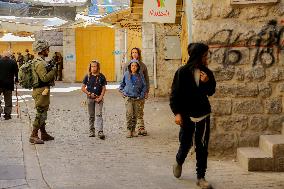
{"type": "Point", "coordinates": [45, 80]}
{"type": "Point", "coordinates": [42, 102]}
{"type": "Point", "coordinates": [59, 67]}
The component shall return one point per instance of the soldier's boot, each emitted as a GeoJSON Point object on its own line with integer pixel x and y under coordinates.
{"type": "Point", "coordinates": [34, 137]}
{"type": "Point", "coordinates": [44, 135]}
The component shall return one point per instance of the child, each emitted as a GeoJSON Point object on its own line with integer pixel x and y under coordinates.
{"type": "Point", "coordinates": [133, 88]}
{"type": "Point", "coordinates": [135, 53]}
{"type": "Point", "coordinates": [94, 85]}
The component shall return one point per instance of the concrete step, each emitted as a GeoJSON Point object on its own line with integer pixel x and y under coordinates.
{"type": "Point", "coordinates": [272, 144]}
{"type": "Point", "coordinates": [254, 159]}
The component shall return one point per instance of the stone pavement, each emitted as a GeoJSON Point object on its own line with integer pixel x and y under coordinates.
{"type": "Point", "coordinates": [75, 161]}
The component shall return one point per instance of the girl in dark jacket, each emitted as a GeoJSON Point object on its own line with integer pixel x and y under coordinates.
{"type": "Point", "coordinates": [192, 84]}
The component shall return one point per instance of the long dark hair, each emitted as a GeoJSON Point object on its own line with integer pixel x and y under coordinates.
{"type": "Point", "coordinates": [196, 52]}
{"type": "Point", "coordinates": [98, 64]}
{"type": "Point", "coordinates": [139, 54]}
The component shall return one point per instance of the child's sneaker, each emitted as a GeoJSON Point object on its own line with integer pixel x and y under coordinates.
{"type": "Point", "coordinates": [142, 132]}
{"type": "Point", "coordinates": [92, 133]}
{"type": "Point", "coordinates": [202, 183]}
{"type": "Point", "coordinates": [129, 134]}
{"type": "Point", "coordinates": [134, 134]}
{"type": "Point", "coordinates": [101, 135]}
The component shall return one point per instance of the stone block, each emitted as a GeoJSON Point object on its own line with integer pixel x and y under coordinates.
{"type": "Point", "coordinates": [221, 107]}
{"type": "Point", "coordinates": [272, 145]}
{"type": "Point", "coordinates": [224, 74]}
{"type": "Point", "coordinates": [202, 11]}
{"type": "Point", "coordinates": [247, 107]}
{"type": "Point", "coordinates": [222, 143]}
{"type": "Point", "coordinates": [258, 123]}
{"type": "Point", "coordinates": [273, 105]}
{"type": "Point", "coordinates": [278, 9]}
{"type": "Point", "coordinates": [242, 138]}
{"type": "Point", "coordinates": [277, 74]}
{"type": "Point", "coordinates": [279, 163]}
{"type": "Point", "coordinates": [223, 90]}
{"type": "Point", "coordinates": [265, 90]}
{"type": "Point", "coordinates": [257, 73]}
{"type": "Point", "coordinates": [245, 90]}
{"type": "Point", "coordinates": [228, 11]}
{"type": "Point", "coordinates": [254, 159]}
{"type": "Point", "coordinates": [240, 74]}
{"type": "Point", "coordinates": [216, 56]}
{"type": "Point", "coordinates": [254, 12]}
{"type": "Point", "coordinates": [232, 123]}
{"type": "Point", "coordinates": [275, 123]}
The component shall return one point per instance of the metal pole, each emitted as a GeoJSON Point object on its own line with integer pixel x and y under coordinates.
{"type": "Point", "coordinates": [17, 102]}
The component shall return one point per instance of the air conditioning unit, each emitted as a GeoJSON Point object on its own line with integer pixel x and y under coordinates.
{"type": "Point", "coordinates": [244, 2]}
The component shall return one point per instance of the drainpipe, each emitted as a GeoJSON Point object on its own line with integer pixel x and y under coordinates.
{"type": "Point", "coordinates": [189, 13]}
{"type": "Point", "coordinates": [154, 56]}
{"type": "Point", "coordinates": [125, 46]}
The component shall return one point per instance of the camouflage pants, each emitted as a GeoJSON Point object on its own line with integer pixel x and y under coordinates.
{"type": "Point", "coordinates": [59, 75]}
{"type": "Point", "coordinates": [134, 113]}
{"type": "Point", "coordinates": [41, 104]}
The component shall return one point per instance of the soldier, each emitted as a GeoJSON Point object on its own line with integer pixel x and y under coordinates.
{"type": "Point", "coordinates": [46, 79]}
{"type": "Point", "coordinates": [20, 59]}
{"type": "Point", "coordinates": [59, 63]}
{"type": "Point", "coordinates": [28, 56]}
{"type": "Point", "coordinates": [13, 57]}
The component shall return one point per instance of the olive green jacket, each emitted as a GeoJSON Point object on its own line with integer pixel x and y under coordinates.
{"type": "Point", "coordinates": [46, 78]}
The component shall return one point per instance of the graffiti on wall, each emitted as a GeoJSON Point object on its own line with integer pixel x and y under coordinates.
{"type": "Point", "coordinates": [264, 47]}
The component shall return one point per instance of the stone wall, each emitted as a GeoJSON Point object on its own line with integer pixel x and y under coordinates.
{"type": "Point", "coordinates": [54, 38]}
{"type": "Point", "coordinates": [69, 55]}
{"type": "Point", "coordinates": [63, 42]}
{"type": "Point", "coordinates": [247, 57]}
{"type": "Point", "coordinates": [119, 53]}
{"type": "Point", "coordinates": [165, 68]}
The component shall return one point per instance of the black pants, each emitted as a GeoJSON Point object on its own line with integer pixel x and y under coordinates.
{"type": "Point", "coordinates": [8, 101]}
{"type": "Point", "coordinates": [202, 131]}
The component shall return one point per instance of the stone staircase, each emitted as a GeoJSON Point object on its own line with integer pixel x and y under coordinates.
{"type": "Point", "coordinates": [269, 156]}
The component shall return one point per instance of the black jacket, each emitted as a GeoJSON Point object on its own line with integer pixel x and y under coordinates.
{"type": "Point", "coordinates": [186, 97]}
{"type": "Point", "coordinates": [8, 71]}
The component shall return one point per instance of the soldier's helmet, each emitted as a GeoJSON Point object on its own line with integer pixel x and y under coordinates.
{"type": "Point", "coordinates": [40, 45]}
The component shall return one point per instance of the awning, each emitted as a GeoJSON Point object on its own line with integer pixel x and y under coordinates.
{"type": "Point", "coordinates": [71, 3]}
{"type": "Point", "coordinates": [26, 10]}
{"type": "Point", "coordinates": [9, 37]}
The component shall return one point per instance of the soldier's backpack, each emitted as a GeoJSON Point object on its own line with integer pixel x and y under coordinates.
{"type": "Point", "coordinates": [27, 76]}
